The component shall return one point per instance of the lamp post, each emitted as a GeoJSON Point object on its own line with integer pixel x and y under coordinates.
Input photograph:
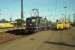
{"type": "Point", "coordinates": [65, 12]}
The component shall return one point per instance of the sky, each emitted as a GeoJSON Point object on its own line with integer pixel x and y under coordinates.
{"type": "Point", "coordinates": [52, 9]}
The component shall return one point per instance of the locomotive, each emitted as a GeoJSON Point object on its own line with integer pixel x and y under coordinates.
{"type": "Point", "coordinates": [35, 24]}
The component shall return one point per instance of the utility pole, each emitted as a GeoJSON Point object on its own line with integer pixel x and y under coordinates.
{"type": "Point", "coordinates": [22, 9]}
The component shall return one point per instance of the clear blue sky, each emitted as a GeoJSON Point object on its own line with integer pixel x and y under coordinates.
{"type": "Point", "coordinates": [53, 9]}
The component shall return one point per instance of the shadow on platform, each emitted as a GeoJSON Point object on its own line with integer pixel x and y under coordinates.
{"type": "Point", "coordinates": [20, 32]}
{"type": "Point", "coordinates": [60, 43]}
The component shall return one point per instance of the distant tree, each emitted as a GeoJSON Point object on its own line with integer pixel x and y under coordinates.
{"type": "Point", "coordinates": [4, 21]}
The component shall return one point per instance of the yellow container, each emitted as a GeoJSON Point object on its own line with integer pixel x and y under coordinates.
{"type": "Point", "coordinates": [60, 26]}
{"type": "Point", "coordinates": [67, 25]}
{"type": "Point", "coordinates": [6, 25]}
{"type": "Point", "coordinates": [63, 25]}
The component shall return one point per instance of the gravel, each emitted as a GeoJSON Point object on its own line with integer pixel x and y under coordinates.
{"type": "Point", "coordinates": [4, 37]}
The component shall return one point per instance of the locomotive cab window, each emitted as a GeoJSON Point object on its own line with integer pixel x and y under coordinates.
{"type": "Point", "coordinates": [33, 20]}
